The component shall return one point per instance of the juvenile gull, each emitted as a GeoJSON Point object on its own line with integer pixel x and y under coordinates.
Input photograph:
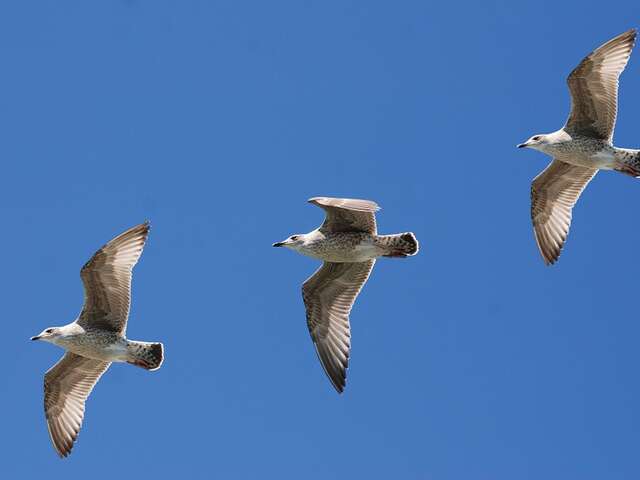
{"type": "Point", "coordinates": [349, 244]}
{"type": "Point", "coordinates": [583, 146]}
{"type": "Point", "coordinates": [96, 338]}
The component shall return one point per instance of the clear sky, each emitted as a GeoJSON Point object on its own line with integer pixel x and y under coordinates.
{"type": "Point", "coordinates": [217, 121]}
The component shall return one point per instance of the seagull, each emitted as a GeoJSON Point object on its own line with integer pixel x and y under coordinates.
{"type": "Point", "coordinates": [348, 244]}
{"type": "Point", "coordinates": [96, 338]}
{"type": "Point", "coordinates": [583, 146]}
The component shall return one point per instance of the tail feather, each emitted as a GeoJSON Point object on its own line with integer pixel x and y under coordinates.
{"type": "Point", "coordinates": [401, 245]}
{"type": "Point", "coordinates": [146, 355]}
{"type": "Point", "coordinates": [628, 162]}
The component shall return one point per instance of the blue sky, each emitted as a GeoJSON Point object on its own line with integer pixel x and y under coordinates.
{"type": "Point", "coordinates": [216, 121]}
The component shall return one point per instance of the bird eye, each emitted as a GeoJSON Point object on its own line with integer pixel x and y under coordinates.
{"type": "Point", "coordinates": [49, 330]}
{"type": "Point", "coordinates": [294, 237]}
{"type": "Point", "coordinates": [536, 138]}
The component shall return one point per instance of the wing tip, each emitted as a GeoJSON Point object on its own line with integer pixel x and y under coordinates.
{"type": "Point", "coordinates": [339, 382]}
{"type": "Point", "coordinates": [623, 37]}
{"type": "Point", "coordinates": [550, 255]}
{"type": "Point", "coordinates": [627, 38]}
{"type": "Point", "coordinates": [337, 376]}
{"type": "Point", "coordinates": [550, 259]}
{"type": "Point", "coordinates": [339, 388]}
{"type": "Point", "coordinates": [144, 227]}
{"type": "Point", "coordinates": [62, 446]}
{"type": "Point", "coordinates": [64, 452]}
{"type": "Point", "coordinates": [140, 231]}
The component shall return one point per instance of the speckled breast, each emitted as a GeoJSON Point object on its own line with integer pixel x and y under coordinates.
{"type": "Point", "coordinates": [344, 247]}
{"type": "Point", "coordinates": [585, 152]}
{"type": "Point", "coordinates": [99, 345]}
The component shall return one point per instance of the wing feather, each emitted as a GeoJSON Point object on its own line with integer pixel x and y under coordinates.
{"type": "Point", "coordinates": [347, 214]}
{"type": "Point", "coordinates": [553, 194]}
{"type": "Point", "coordinates": [107, 281]}
{"type": "Point", "coordinates": [594, 88]}
{"type": "Point", "coordinates": [328, 297]}
{"type": "Point", "coordinates": [66, 387]}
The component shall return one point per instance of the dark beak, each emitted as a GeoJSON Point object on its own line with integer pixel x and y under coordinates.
{"type": "Point", "coordinates": [35, 338]}
{"type": "Point", "coordinates": [278, 244]}
{"type": "Point", "coordinates": [522, 145]}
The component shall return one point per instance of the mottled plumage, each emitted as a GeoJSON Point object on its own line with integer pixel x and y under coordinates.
{"type": "Point", "coordinates": [583, 146]}
{"type": "Point", "coordinates": [348, 244]}
{"type": "Point", "coordinates": [96, 338]}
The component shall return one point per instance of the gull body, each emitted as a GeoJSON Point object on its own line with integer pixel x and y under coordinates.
{"type": "Point", "coordinates": [89, 343]}
{"type": "Point", "coordinates": [341, 247]}
{"type": "Point", "coordinates": [93, 343]}
{"type": "Point", "coordinates": [348, 243]}
{"type": "Point", "coordinates": [583, 151]}
{"type": "Point", "coordinates": [582, 146]}
{"type": "Point", "coordinates": [96, 338]}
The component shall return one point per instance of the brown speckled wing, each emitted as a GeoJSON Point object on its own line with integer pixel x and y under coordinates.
{"type": "Point", "coordinates": [347, 214]}
{"type": "Point", "coordinates": [553, 194]}
{"type": "Point", "coordinates": [594, 88]}
{"type": "Point", "coordinates": [107, 281]}
{"type": "Point", "coordinates": [66, 387]}
{"type": "Point", "coordinates": [328, 297]}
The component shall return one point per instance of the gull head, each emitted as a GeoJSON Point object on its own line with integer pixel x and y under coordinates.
{"type": "Point", "coordinates": [537, 142]}
{"type": "Point", "coordinates": [294, 242]}
{"type": "Point", "coordinates": [547, 142]}
{"type": "Point", "coordinates": [49, 335]}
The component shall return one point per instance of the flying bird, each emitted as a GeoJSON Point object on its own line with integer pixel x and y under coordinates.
{"type": "Point", "coordinates": [96, 338]}
{"type": "Point", "coordinates": [583, 146]}
{"type": "Point", "coordinates": [348, 243]}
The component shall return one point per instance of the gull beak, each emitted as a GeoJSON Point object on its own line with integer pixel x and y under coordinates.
{"type": "Point", "coordinates": [35, 338]}
{"type": "Point", "coordinates": [522, 145]}
{"type": "Point", "coordinates": [278, 244]}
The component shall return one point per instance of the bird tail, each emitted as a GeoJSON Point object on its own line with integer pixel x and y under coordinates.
{"type": "Point", "coordinates": [145, 354]}
{"type": "Point", "coordinates": [628, 162]}
{"type": "Point", "coordinates": [400, 244]}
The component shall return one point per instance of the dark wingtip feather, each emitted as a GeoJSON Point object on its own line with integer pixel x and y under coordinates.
{"type": "Point", "coordinates": [336, 373]}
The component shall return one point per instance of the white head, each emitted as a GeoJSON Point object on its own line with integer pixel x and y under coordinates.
{"type": "Point", "coordinates": [51, 335]}
{"type": "Point", "coordinates": [545, 142]}
{"type": "Point", "coordinates": [294, 242]}
{"type": "Point", "coordinates": [537, 142]}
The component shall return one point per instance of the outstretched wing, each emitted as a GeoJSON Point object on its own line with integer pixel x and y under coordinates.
{"type": "Point", "coordinates": [553, 194]}
{"type": "Point", "coordinates": [66, 387]}
{"type": "Point", "coordinates": [594, 88]}
{"type": "Point", "coordinates": [107, 281]}
{"type": "Point", "coordinates": [347, 214]}
{"type": "Point", "coordinates": [328, 297]}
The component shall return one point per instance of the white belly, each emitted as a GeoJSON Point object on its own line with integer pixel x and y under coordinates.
{"type": "Point", "coordinates": [115, 352]}
{"type": "Point", "coordinates": [366, 251]}
{"type": "Point", "coordinates": [604, 159]}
